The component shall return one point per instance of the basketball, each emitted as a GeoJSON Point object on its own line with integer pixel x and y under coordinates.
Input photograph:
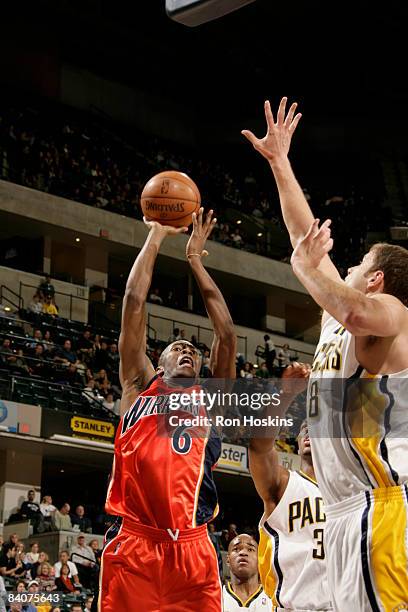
{"type": "Point", "coordinates": [170, 198]}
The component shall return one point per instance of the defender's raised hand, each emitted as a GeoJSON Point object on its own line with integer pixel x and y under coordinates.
{"type": "Point", "coordinates": [311, 249]}
{"type": "Point", "coordinates": [201, 232]}
{"type": "Point", "coordinates": [278, 137]}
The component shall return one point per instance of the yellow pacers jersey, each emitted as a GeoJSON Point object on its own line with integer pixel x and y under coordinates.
{"type": "Point", "coordinates": [291, 549]}
{"type": "Point", "coordinates": [358, 423]}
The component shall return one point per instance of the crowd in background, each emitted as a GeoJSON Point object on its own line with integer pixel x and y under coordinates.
{"type": "Point", "coordinates": [74, 574]}
{"type": "Point", "coordinates": [74, 155]}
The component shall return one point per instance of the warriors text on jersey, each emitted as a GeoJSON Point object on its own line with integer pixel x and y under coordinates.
{"type": "Point", "coordinates": [160, 479]}
{"type": "Point", "coordinates": [291, 550]}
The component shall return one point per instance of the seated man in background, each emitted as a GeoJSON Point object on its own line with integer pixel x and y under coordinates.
{"type": "Point", "coordinates": [84, 558]}
{"type": "Point", "coordinates": [83, 523]}
{"type": "Point", "coordinates": [31, 510]}
{"type": "Point", "coordinates": [64, 560]}
{"type": "Point", "coordinates": [61, 520]}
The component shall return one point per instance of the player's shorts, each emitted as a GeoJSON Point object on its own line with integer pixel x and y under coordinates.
{"type": "Point", "coordinates": [366, 542]}
{"type": "Point", "coordinates": [145, 569]}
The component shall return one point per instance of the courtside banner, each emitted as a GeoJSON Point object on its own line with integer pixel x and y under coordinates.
{"type": "Point", "coordinates": [233, 457]}
{"type": "Point", "coordinates": [77, 426]}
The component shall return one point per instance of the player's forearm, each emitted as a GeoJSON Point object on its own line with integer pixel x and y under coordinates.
{"type": "Point", "coordinates": [295, 209]}
{"type": "Point", "coordinates": [214, 302]}
{"type": "Point", "coordinates": [263, 440]}
{"type": "Point", "coordinates": [140, 277]}
{"type": "Point", "coordinates": [340, 301]}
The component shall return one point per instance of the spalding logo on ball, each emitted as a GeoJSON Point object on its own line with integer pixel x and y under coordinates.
{"type": "Point", "coordinates": [170, 198]}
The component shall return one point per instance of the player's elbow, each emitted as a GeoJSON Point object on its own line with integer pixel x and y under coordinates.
{"type": "Point", "coordinates": [355, 321]}
{"type": "Point", "coordinates": [227, 334]}
{"type": "Point", "coordinates": [133, 300]}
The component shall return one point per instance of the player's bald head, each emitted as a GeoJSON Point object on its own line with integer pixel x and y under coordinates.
{"type": "Point", "coordinates": [180, 359]}
{"type": "Point", "coordinates": [242, 538]}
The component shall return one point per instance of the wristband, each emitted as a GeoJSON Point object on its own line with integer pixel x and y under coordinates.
{"type": "Point", "coordinates": [202, 254]}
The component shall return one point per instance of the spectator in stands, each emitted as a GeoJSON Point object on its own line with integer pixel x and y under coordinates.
{"type": "Point", "coordinates": [45, 578]}
{"type": "Point", "coordinates": [49, 307]}
{"type": "Point", "coordinates": [79, 518]}
{"type": "Point", "coordinates": [66, 581]}
{"type": "Point", "coordinates": [36, 304]}
{"type": "Point", "coordinates": [8, 564]}
{"type": "Point", "coordinates": [47, 509]}
{"type": "Point", "coordinates": [32, 556]}
{"type": "Point", "coordinates": [46, 288]}
{"type": "Point", "coordinates": [101, 358]}
{"type": "Point", "coordinates": [113, 357]}
{"type": "Point", "coordinates": [20, 364]}
{"type": "Point", "coordinates": [88, 603]}
{"type": "Point", "coordinates": [175, 336]}
{"type": "Point", "coordinates": [47, 341]}
{"type": "Point", "coordinates": [155, 298]}
{"type": "Point", "coordinates": [70, 376]}
{"type": "Point", "coordinates": [76, 608]}
{"type": "Point", "coordinates": [64, 560]}
{"type": "Point", "coordinates": [247, 371]}
{"type": "Point", "coordinates": [229, 534]}
{"type": "Point", "coordinates": [38, 365]}
{"type": "Point", "coordinates": [61, 520]}
{"type": "Point", "coordinates": [236, 239]}
{"type": "Point", "coordinates": [270, 353]}
{"type": "Point", "coordinates": [110, 404]}
{"type": "Point", "coordinates": [84, 558]}
{"type": "Point", "coordinates": [206, 372]}
{"type": "Point", "coordinates": [284, 356]}
{"type": "Point", "coordinates": [102, 380]}
{"type": "Point", "coordinates": [85, 345]}
{"type": "Point", "coordinates": [7, 355]}
{"type": "Point", "coordinates": [31, 510]}
{"type": "Point", "coordinates": [262, 371]}
{"type": "Point", "coordinates": [31, 345]}
{"type": "Point", "coordinates": [91, 393]}
{"type": "Point", "coordinates": [42, 558]}
{"type": "Point", "coordinates": [94, 545]}
{"type": "Point", "coordinates": [65, 354]}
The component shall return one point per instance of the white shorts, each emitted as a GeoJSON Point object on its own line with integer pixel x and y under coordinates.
{"type": "Point", "coordinates": [366, 541]}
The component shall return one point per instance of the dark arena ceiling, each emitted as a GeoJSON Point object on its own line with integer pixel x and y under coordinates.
{"type": "Point", "coordinates": [339, 59]}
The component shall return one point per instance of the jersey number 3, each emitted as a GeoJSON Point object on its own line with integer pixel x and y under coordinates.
{"type": "Point", "coordinates": [318, 552]}
{"type": "Point", "coordinates": [181, 440]}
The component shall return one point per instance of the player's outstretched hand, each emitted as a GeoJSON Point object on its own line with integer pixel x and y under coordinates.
{"type": "Point", "coordinates": [311, 249]}
{"type": "Point", "coordinates": [294, 378]}
{"type": "Point", "coordinates": [276, 143]}
{"type": "Point", "coordinates": [201, 231]}
{"type": "Point", "coordinates": [164, 230]}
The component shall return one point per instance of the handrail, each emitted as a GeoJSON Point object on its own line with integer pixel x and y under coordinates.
{"type": "Point", "coordinates": [3, 297]}
{"type": "Point", "coordinates": [194, 325]}
{"type": "Point", "coordinates": [71, 295]}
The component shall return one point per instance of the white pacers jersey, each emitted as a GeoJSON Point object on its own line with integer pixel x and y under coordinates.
{"type": "Point", "coordinates": [358, 423]}
{"type": "Point", "coordinates": [291, 552]}
{"type": "Point", "coordinates": [258, 602]}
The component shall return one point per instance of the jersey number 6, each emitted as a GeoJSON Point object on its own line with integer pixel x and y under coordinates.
{"type": "Point", "coordinates": [181, 440]}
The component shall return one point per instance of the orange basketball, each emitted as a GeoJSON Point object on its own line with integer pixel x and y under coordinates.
{"type": "Point", "coordinates": [170, 198]}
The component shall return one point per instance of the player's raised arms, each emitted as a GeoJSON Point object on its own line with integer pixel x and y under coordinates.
{"type": "Point", "coordinates": [136, 369]}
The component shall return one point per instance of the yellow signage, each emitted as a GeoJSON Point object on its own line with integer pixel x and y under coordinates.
{"type": "Point", "coordinates": [90, 427]}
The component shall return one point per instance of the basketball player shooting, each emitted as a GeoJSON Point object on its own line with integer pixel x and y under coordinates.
{"type": "Point", "coordinates": [162, 485]}
{"type": "Point", "coordinates": [364, 335]}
